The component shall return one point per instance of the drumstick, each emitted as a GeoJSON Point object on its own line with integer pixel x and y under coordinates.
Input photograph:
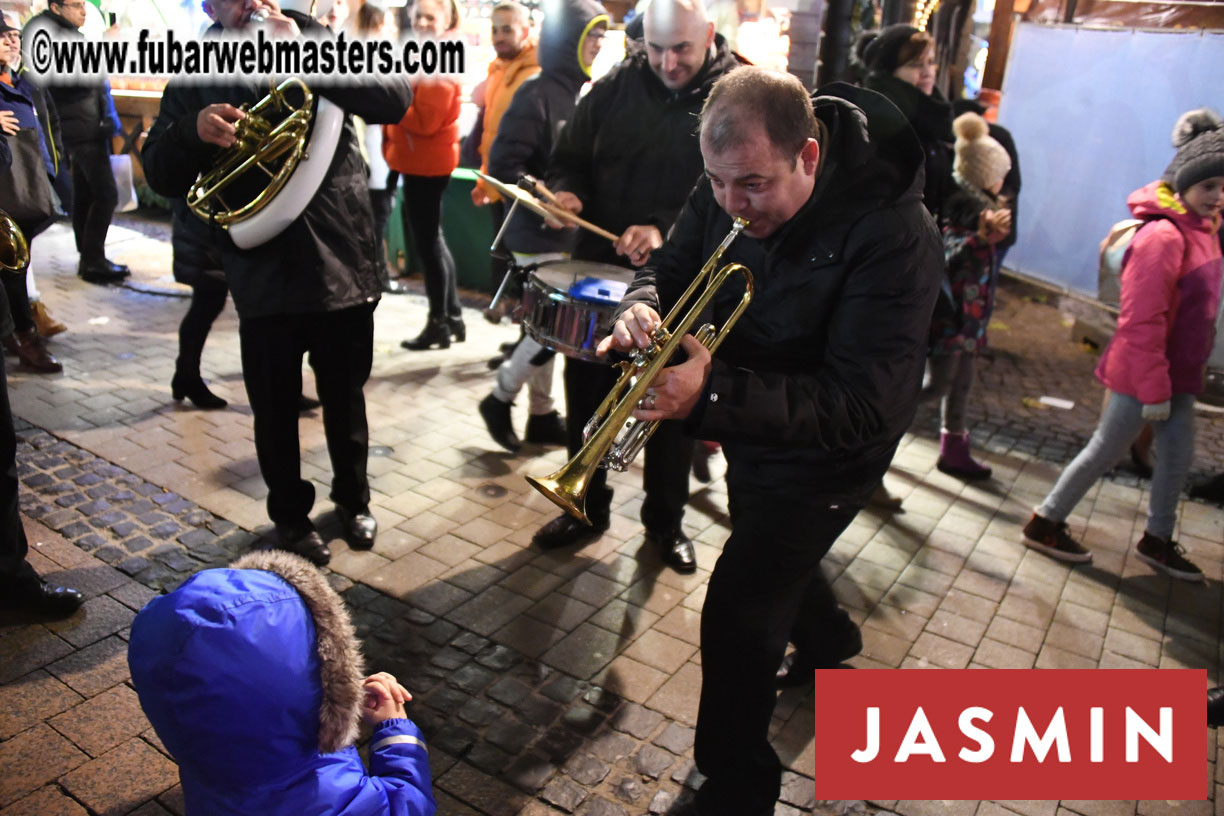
{"type": "Point", "coordinates": [536, 187]}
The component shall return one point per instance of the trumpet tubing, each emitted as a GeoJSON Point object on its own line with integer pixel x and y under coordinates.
{"type": "Point", "coordinates": [613, 438]}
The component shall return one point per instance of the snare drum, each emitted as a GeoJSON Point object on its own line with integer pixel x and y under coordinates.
{"type": "Point", "coordinates": [568, 305]}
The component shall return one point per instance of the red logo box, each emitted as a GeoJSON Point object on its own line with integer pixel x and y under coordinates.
{"type": "Point", "coordinates": [1011, 734]}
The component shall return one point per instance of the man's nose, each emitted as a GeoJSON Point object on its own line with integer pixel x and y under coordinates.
{"type": "Point", "coordinates": [670, 61]}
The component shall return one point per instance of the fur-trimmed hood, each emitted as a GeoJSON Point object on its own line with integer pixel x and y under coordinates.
{"type": "Point", "coordinates": [249, 673]}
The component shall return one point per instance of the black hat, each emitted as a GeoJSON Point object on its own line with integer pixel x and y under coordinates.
{"type": "Point", "coordinates": [1199, 139]}
{"type": "Point", "coordinates": [883, 53]}
{"type": "Point", "coordinates": [6, 26]}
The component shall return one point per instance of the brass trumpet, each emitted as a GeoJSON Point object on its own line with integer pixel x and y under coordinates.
{"type": "Point", "coordinates": [14, 251]}
{"type": "Point", "coordinates": [613, 438]}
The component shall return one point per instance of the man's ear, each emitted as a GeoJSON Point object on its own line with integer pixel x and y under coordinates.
{"type": "Point", "coordinates": [709, 35]}
{"type": "Point", "coordinates": [208, 9]}
{"type": "Point", "coordinates": [810, 156]}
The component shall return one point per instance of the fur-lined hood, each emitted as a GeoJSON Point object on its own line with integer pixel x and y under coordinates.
{"type": "Point", "coordinates": [248, 673]}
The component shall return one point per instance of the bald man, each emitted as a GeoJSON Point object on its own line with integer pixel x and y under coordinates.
{"type": "Point", "coordinates": [626, 161]}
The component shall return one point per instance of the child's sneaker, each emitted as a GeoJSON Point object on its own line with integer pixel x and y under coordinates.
{"type": "Point", "coordinates": [1051, 537]}
{"type": "Point", "coordinates": [1166, 556]}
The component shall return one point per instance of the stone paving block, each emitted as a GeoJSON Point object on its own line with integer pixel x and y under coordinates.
{"type": "Point", "coordinates": [998, 655]}
{"type": "Point", "coordinates": [31, 699]}
{"type": "Point", "coordinates": [48, 801]}
{"type": "Point", "coordinates": [630, 679]}
{"type": "Point", "coordinates": [33, 758]}
{"type": "Point", "coordinates": [103, 722]}
{"type": "Point", "coordinates": [584, 651]}
{"type": "Point", "coordinates": [484, 793]}
{"type": "Point", "coordinates": [954, 627]}
{"type": "Point", "coordinates": [99, 617]}
{"type": "Point", "coordinates": [121, 779]}
{"type": "Point", "coordinates": [95, 668]}
{"type": "Point", "coordinates": [27, 648]}
{"type": "Point", "coordinates": [677, 698]}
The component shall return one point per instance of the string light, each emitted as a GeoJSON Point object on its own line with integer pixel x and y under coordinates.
{"type": "Point", "coordinates": [923, 11]}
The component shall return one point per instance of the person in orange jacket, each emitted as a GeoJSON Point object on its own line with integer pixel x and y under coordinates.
{"type": "Point", "coordinates": [424, 149]}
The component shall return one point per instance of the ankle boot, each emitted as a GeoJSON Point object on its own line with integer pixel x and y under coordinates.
{"type": "Point", "coordinates": [33, 354]}
{"type": "Point", "coordinates": [47, 325]}
{"type": "Point", "coordinates": [457, 328]}
{"type": "Point", "coordinates": [436, 333]}
{"type": "Point", "coordinates": [954, 458]}
{"type": "Point", "coordinates": [193, 388]}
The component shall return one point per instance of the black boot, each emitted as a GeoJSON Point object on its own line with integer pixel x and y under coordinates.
{"type": "Point", "coordinates": [194, 389]}
{"type": "Point", "coordinates": [1215, 707]}
{"type": "Point", "coordinates": [457, 328]}
{"type": "Point", "coordinates": [436, 333]}
{"type": "Point", "coordinates": [546, 429]}
{"type": "Point", "coordinates": [496, 416]}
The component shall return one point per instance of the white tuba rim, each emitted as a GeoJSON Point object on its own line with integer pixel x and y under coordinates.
{"type": "Point", "coordinates": [292, 199]}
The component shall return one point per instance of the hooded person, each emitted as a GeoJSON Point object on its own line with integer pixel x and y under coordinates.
{"type": "Point", "coordinates": [252, 679]}
{"type": "Point", "coordinates": [570, 39]}
{"type": "Point", "coordinates": [1153, 366]}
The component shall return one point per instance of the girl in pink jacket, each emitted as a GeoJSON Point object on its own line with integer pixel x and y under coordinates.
{"type": "Point", "coordinates": [1154, 366]}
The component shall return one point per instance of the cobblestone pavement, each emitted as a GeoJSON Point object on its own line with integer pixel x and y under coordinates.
{"type": "Point", "coordinates": [545, 683]}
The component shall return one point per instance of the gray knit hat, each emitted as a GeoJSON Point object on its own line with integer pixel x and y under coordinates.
{"type": "Point", "coordinates": [1199, 139]}
{"type": "Point", "coordinates": [980, 160]}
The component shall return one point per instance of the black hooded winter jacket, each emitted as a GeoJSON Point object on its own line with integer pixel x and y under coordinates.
{"type": "Point", "coordinates": [815, 385]}
{"type": "Point", "coordinates": [327, 259]}
{"type": "Point", "coordinates": [540, 108]}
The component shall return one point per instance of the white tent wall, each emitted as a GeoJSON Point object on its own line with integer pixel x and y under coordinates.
{"type": "Point", "coordinates": [1092, 111]}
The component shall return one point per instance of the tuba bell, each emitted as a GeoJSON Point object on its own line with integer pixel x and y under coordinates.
{"type": "Point", "coordinates": [14, 251]}
{"type": "Point", "coordinates": [613, 438]}
{"type": "Point", "coordinates": [284, 147]}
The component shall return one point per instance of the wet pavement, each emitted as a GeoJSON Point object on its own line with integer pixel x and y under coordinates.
{"type": "Point", "coordinates": [545, 682]}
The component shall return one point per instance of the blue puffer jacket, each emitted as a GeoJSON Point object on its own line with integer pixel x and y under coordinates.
{"type": "Point", "coordinates": [251, 677]}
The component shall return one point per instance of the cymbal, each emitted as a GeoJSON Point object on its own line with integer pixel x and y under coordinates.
{"type": "Point", "coordinates": [510, 193]}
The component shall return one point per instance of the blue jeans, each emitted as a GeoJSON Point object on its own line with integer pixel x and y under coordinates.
{"type": "Point", "coordinates": [1121, 420]}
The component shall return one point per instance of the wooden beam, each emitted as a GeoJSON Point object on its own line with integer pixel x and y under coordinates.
{"type": "Point", "coordinates": [1001, 25]}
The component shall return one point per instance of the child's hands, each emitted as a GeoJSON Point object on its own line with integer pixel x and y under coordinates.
{"type": "Point", "coordinates": [384, 699]}
{"type": "Point", "coordinates": [994, 225]}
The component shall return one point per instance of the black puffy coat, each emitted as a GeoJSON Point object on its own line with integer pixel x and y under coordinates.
{"type": "Point", "coordinates": [539, 109]}
{"type": "Point", "coordinates": [815, 385]}
{"type": "Point", "coordinates": [931, 118]}
{"type": "Point", "coordinates": [85, 110]}
{"type": "Point", "coordinates": [630, 152]}
{"type": "Point", "coordinates": [325, 260]}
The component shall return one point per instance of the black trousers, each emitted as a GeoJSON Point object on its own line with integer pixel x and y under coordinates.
{"type": "Point", "coordinates": [422, 212]}
{"type": "Point", "coordinates": [94, 197]}
{"type": "Point", "coordinates": [340, 348]}
{"type": "Point", "coordinates": [381, 203]}
{"type": "Point", "coordinates": [207, 301]}
{"type": "Point", "coordinates": [767, 588]}
{"type": "Point", "coordinates": [13, 545]}
{"type": "Point", "coordinates": [669, 453]}
{"type": "Point", "coordinates": [18, 300]}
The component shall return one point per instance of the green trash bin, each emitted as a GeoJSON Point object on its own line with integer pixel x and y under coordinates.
{"type": "Point", "coordinates": [468, 230]}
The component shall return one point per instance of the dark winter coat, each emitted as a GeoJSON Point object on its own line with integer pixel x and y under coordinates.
{"type": "Point", "coordinates": [815, 385]}
{"type": "Point", "coordinates": [196, 245]}
{"type": "Point", "coordinates": [252, 679]}
{"type": "Point", "coordinates": [539, 109]}
{"type": "Point", "coordinates": [931, 118]}
{"type": "Point", "coordinates": [6, 318]}
{"type": "Point", "coordinates": [86, 111]}
{"type": "Point", "coordinates": [630, 152]}
{"type": "Point", "coordinates": [36, 110]}
{"type": "Point", "coordinates": [325, 260]}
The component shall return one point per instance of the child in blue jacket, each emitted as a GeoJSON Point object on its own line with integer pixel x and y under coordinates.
{"type": "Point", "coordinates": [252, 677]}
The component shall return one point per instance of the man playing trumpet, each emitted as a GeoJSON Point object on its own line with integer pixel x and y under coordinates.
{"type": "Point", "coordinates": [809, 394]}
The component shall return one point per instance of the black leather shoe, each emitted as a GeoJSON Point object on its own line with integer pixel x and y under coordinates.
{"type": "Point", "coordinates": [359, 528]}
{"type": "Point", "coordinates": [565, 531]}
{"type": "Point", "coordinates": [42, 599]}
{"type": "Point", "coordinates": [100, 272]}
{"type": "Point", "coordinates": [436, 333]}
{"type": "Point", "coordinates": [117, 269]}
{"type": "Point", "coordinates": [1215, 706]}
{"type": "Point", "coordinates": [546, 429]}
{"type": "Point", "coordinates": [458, 329]}
{"type": "Point", "coordinates": [675, 549]}
{"type": "Point", "coordinates": [306, 543]}
{"type": "Point", "coordinates": [496, 416]}
{"type": "Point", "coordinates": [305, 404]}
{"type": "Point", "coordinates": [797, 667]}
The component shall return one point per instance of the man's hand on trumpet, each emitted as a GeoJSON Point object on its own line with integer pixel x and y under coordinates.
{"type": "Point", "coordinates": [638, 241]}
{"type": "Point", "coordinates": [676, 390]}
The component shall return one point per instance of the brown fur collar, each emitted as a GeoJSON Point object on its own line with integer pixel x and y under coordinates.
{"type": "Point", "coordinates": [341, 665]}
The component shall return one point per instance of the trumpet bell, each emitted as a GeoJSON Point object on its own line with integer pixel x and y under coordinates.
{"type": "Point", "coordinates": [14, 251]}
{"type": "Point", "coordinates": [566, 490]}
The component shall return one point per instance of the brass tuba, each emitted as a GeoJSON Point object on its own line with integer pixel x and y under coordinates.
{"type": "Point", "coordinates": [14, 251]}
{"type": "Point", "coordinates": [286, 142]}
{"type": "Point", "coordinates": [613, 437]}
